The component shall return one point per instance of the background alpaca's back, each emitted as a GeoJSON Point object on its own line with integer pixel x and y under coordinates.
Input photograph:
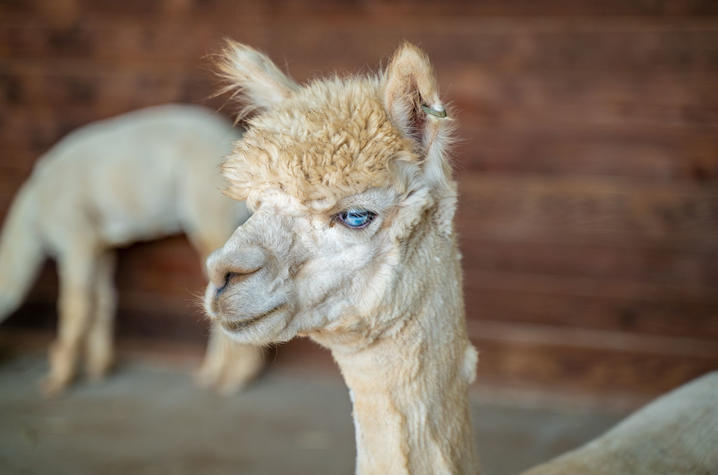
{"type": "Point", "coordinates": [142, 175]}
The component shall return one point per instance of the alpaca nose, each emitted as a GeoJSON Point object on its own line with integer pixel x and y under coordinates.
{"type": "Point", "coordinates": [225, 267]}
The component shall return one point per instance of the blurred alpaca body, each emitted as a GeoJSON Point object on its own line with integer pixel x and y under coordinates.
{"type": "Point", "coordinates": [673, 434]}
{"type": "Point", "coordinates": [143, 175]}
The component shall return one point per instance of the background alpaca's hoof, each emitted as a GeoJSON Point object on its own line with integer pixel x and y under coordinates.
{"type": "Point", "coordinates": [236, 366]}
{"type": "Point", "coordinates": [246, 363]}
{"type": "Point", "coordinates": [226, 383]}
{"type": "Point", "coordinates": [234, 381]}
{"type": "Point", "coordinates": [97, 370]}
{"type": "Point", "coordinates": [52, 387]}
{"type": "Point", "coordinates": [206, 376]}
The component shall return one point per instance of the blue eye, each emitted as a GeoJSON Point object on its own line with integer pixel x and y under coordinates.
{"type": "Point", "coordinates": [356, 218]}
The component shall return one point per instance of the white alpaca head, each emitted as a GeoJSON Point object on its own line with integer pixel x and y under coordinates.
{"type": "Point", "coordinates": [344, 177]}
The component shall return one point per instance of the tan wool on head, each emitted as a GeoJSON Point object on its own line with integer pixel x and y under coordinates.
{"type": "Point", "coordinates": [335, 136]}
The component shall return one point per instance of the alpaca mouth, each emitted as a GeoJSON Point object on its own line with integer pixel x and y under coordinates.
{"type": "Point", "coordinates": [239, 325]}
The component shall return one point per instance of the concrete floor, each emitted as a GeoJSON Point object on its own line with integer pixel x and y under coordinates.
{"type": "Point", "coordinates": [148, 418]}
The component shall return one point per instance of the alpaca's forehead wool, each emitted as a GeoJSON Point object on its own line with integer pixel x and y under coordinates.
{"type": "Point", "coordinates": [332, 139]}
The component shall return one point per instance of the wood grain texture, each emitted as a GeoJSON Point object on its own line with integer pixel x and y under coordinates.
{"type": "Point", "coordinates": [587, 159]}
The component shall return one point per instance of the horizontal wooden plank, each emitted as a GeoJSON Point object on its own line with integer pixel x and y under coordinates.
{"type": "Point", "coordinates": [582, 210]}
{"type": "Point", "coordinates": [662, 315]}
{"type": "Point", "coordinates": [43, 90]}
{"type": "Point", "coordinates": [328, 9]}
{"type": "Point", "coordinates": [684, 267]}
{"type": "Point", "coordinates": [234, 17]}
{"type": "Point", "coordinates": [485, 96]}
{"type": "Point", "coordinates": [660, 155]}
{"type": "Point", "coordinates": [223, 8]}
{"type": "Point", "coordinates": [603, 340]}
{"type": "Point", "coordinates": [512, 46]}
{"type": "Point", "coordinates": [587, 287]}
{"type": "Point", "coordinates": [637, 98]}
{"type": "Point", "coordinates": [639, 290]}
{"type": "Point", "coordinates": [525, 355]}
{"type": "Point", "coordinates": [226, 11]}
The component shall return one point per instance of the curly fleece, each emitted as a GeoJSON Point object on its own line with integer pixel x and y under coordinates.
{"type": "Point", "coordinates": [331, 139]}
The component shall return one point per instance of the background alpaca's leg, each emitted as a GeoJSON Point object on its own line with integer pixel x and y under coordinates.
{"type": "Point", "coordinates": [228, 365]}
{"type": "Point", "coordinates": [242, 363]}
{"type": "Point", "coordinates": [99, 342]}
{"type": "Point", "coordinates": [211, 368]}
{"type": "Point", "coordinates": [74, 307]}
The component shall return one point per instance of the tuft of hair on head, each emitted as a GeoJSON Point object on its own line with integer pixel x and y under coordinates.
{"type": "Point", "coordinates": [252, 79]}
{"type": "Point", "coordinates": [412, 101]}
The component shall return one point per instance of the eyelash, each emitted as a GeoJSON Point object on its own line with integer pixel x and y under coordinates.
{"type": "Point", "coordinates": [345, 217]}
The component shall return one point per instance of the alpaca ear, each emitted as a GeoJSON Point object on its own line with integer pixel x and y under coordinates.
{"type": "Point", "coordinates": [412, 101]}
{"type": "Point", "coordinates": [253, 78]}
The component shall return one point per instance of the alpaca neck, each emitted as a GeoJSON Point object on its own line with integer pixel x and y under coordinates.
{"type": "Point", "coordinates": [409, 389]}
{"type": "Point", "coordinates": [409, 363]}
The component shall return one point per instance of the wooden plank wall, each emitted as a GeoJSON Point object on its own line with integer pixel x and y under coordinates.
{"type": "Point", "coordinates": [588, 158]}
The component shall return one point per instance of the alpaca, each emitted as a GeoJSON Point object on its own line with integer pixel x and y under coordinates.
{"type": "Point", "coordinates": [352, 243]}
{"type": "Point", "coordinates": [676, 433]}
{"type": "Point", "coordinates": [143, 175]}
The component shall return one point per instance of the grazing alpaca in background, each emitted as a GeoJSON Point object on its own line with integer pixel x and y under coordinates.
{"type": "Point", "coordinates": [143, 175]}
{"type": "Point", "coordinates": [352, 244]}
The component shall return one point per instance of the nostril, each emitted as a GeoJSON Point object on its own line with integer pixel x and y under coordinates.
{"type": "Point", "coordinates": [227, 277]}
{"type": "Point", "coordinates": [225, 268]}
